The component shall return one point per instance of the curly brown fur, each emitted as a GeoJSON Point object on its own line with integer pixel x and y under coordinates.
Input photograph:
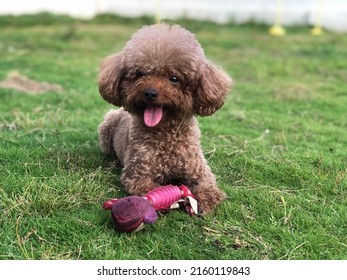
{"type": "Point", "coordinates": [161, 79]}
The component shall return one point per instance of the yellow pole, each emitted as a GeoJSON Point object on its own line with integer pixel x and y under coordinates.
{"type": "Point", "coordinates": [277, 29]}
{"type": "Point", "coordinates": [279, 8]}
{"type": "Point", "coordinates": [97, 7]}
{"type": "Point", "coordinates": [157, 11]}
{"type": "Point", "coordinates": [317, 29]}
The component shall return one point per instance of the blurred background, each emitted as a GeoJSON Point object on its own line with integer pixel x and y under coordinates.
{"type": "Point", "coordinates": [332, 14]}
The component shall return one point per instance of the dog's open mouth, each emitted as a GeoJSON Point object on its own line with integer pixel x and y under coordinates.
{"type": "Point", "coordinates": [152, 115]}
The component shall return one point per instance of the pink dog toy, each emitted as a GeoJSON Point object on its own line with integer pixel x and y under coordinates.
{"type": "Point", "coordinates": [131, 213]}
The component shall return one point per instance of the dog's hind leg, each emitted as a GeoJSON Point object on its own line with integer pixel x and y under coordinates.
{"type": "Point", "coordinates": [107, 129]}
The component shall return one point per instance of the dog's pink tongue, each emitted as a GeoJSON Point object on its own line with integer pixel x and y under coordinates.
{"type": "Point", "coordinates": [152, 115]}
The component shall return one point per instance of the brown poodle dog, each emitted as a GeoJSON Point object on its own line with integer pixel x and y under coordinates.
{"type": "Point", "coordinates": [162, 79]}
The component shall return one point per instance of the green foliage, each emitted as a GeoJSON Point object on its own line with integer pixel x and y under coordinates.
{"type": "Point", "coordinates": [278, 147]}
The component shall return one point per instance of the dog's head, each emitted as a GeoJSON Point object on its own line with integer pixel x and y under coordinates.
{"type": "Point", "coordinates": [161, 73]}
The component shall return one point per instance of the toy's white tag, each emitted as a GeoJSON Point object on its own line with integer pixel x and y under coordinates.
{"type": "Point", "coordinates": [140, 227]}
{"type": "Point", "coordinates": [193, 204]}
{"type": "Point", "coordinates": [175, 205]}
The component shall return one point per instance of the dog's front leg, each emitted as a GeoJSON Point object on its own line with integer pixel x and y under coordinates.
{"type": "Point", "coordinates": [204, 186]}
{"type": "Point", "coordinates": [137, 180]}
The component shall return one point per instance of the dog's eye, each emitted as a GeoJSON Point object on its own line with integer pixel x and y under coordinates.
{"type": "Point", "coordinates": [139, 74]}
{"type": "Point", "coordinates": [174, 79]}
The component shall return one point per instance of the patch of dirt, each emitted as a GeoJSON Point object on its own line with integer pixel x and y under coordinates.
{"type": "Point", "coordinates": [21, 83]}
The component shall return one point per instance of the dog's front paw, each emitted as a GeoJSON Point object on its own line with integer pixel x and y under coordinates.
{"type": "Point", "coordinates": [208, 199]}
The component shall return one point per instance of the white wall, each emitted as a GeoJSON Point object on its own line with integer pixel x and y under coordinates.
{"type": "Point", "coordinates": [77, 8]}
{"type": "Point", "coordinates": [298, 12]}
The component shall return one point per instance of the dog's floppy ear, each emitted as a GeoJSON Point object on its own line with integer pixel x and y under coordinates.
{"type": "Point", "coordinates": [111, 71]}
{"type": "Point", "coordinates": [214, 85]}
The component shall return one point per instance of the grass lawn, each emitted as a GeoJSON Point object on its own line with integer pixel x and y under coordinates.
{"type": "Point", "coordinates": [278, 147]}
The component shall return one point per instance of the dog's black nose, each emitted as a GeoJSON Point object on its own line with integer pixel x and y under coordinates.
{"type": "Point", "coordinates": [151, 94]}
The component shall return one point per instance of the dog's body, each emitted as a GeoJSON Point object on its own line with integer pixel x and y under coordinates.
{"type": "Point", "coordinates": [162, 79]}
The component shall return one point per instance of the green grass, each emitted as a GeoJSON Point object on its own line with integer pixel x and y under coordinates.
{"type": "Point", "coordinates": [278, 147]}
